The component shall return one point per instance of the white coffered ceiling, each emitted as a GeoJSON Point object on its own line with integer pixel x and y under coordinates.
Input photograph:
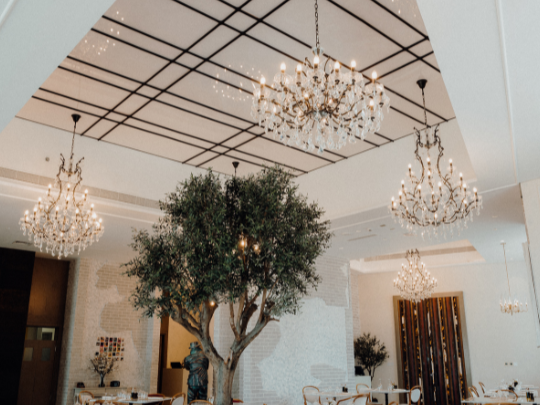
{"type": "Point", "coordinates": [173, 78]}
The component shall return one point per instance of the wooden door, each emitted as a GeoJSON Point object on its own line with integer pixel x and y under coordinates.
{"type": "Point", "coordinates": [36, 385]}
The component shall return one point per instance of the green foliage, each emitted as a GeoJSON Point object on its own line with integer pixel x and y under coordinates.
{"type": "Point", "coordinates": [370, 353]}
{"type": "Point", "coordinates": [195, 256]}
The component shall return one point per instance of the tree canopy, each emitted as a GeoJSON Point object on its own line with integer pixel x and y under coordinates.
{"type": "Point", "coordinates": [249, 243]}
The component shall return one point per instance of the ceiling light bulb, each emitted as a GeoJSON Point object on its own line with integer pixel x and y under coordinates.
{"type": "Point", "coordinates": [316, 60]}
{"type": "Point", "coordinates": [283, 67]}
{"type": "Point", "coordinates": [299, 68]}
{"type": "Point", "coordinates": [336, 66]}
{"type": "Point", "coordinates": [263, 80]}
{"type": "Point", "coordinates": [374, 75]}
{"type": "Point", "coordinates": [371, 102]}
{"type": "Point", "coordinates": [353, 64]}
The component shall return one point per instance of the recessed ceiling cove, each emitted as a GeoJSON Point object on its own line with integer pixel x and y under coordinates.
{"type": "Point", "coordinates": [174, 78]}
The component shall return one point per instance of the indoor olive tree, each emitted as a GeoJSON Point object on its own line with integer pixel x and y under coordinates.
{"type": "Point", "coordinates": [248, 244]}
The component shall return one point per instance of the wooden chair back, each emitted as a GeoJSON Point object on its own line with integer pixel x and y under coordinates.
{"type": "Point", "coordinates": [482, 387]}
{"type": "Point", "coordinates": [156, 395]}
{"type": "Point", "coordinates": [237, 401]}
{"type": "Point", "coordinates": [512, 393]}
{"type": "Point", "coordinates": [415, 394]}
{"type": "Point", "coordinates": [84, 396]}
{"type": "Point", "coordinates": [311, 395]}
{"type": "Point", "coordinates": [178, 399]}
{"type": "Point", "coordinates": [474, 392]}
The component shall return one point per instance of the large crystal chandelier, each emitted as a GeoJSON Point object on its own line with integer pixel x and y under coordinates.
{"type": "Point", "coordinates": [414, 281]}
{"type": "Point", "coordinates": [319, 107]}
{"type": "Point", "coordinates": [64, 221]}
{"type": "Point", "coordinates": [508, 304]}
{"type": "Point", "coordinates": [434, 199]}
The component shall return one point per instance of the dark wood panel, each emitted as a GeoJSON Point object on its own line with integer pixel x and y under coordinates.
{"type": "Point", "coordinates": [48, 294]}
{"type": "Point", "coordinates": [16, 268]}
{"type": "Point", "coordinates": [438, 357]}
{"type": "Point", "coordinates": [425, 356]}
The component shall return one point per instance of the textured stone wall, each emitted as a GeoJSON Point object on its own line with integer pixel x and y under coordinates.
{"type": "Point", "coordinates": [314, 347]}
{"type": "Point", "coordinates": [97, 305]}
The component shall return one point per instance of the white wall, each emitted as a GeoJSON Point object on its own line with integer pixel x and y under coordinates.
{"type": "Point", "coordinates": [494, 338]}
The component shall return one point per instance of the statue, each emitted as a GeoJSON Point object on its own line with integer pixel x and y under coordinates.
{"type": "Point", "coordinates": [197, 364]}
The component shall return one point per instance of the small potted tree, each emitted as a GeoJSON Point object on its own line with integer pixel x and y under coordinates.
{"type": "Point", "coordinates": [370, 353]}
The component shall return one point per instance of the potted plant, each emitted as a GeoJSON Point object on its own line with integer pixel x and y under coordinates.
{"type": "Point", "coordinates": [246, 244]}
{"type": "Point", "coordinates": [370, 353]}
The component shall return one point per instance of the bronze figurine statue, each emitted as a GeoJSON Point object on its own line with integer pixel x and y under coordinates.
{"type": "Point", "coordinates": [197, 364]}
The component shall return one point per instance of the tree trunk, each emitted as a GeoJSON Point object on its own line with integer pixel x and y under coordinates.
{"type": "Point", "coordinates": [223, 382]}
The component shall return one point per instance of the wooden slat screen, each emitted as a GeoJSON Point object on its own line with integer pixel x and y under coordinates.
{"type": "Point", "coordinates": [432, 349]}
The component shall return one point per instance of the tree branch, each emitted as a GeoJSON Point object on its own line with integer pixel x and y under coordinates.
{"type": "Point", "coordinates": [178, 316]}
{"type": "Point", "coordinates": [231, 321]}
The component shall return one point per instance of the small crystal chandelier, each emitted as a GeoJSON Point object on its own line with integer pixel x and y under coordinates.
{"type": "Point", "coordinates": [433, 199]}
{"type": "Point", "coordinates": [414, 281]}
{"type": "Point", "coordinates": [316, 108]}
{"type": "Point", "coordinates": [62, 221]}
{"type": "Point", "coordinates": [509, 305]}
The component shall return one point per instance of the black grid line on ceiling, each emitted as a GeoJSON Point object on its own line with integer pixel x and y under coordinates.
{"type": "Point", "coordinates": [248, 129]}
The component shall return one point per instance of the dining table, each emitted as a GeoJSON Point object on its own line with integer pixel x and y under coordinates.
{"type": "Point", "coordinates": [499, 400]}
{"type": "Point", "coordinates": [386, 392]}
{"type": "Point", "coordinates": [131, 401]}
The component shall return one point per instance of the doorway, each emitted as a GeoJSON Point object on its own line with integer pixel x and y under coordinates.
{"type": "Point", "coordinates": [37, 383]}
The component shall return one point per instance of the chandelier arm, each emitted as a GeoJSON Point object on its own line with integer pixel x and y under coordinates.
{"type": "Point", "coordinates": [424, 102]}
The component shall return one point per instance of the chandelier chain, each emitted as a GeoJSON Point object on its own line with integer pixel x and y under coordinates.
{"type": "Point", "coordinates": [425, 113]}
{"type": "Point", "coordinates": [506, 265]}
{"type": "Point", "coordinates": [73, 138]}
{"type": "Point", "coordinates": [316, 24]}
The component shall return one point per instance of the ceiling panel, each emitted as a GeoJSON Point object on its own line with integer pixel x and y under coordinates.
{"type": "Point", "coordinates": [189, 60]}
{"type": "Point", "coordinates": [132, 104]}
{"type": "Point", "coordinates": [148, 91]}
{"type": "Point", "coordinates": [100, 128]}
{"type": "Point", "coordinates": [202, 158]}
{"type": "Point", "coordinates": [167, 76]}
{"type": "Point", "coordinates": [238, 139]}
{"type": "Point", "coordinates": [164, 19]}
{"type": "Point", "coordinates": [139, 140]}
{"type": "Point", "coordinates": [54, 116]}
{"type": "Point", "coordinates": [68, 103]}
{"type": "Point", "coordinates": [245, 157]}
{"type": "Point", "coordinates": [281, 154]}
{"type": "Point", "coordinates": [185, 122]}
{"type": "Point", "coordinates": [389, 65]}
{"type": "Point", "coordinates": [336, 28]}
{"type": "Point", "coordinates": [120, 58]}
{"type": "Point", "coordinates": [124, 33]}
{"type": "Point", "coordinates": [259, 8]}
{"type": "Point", "coordinates": [203, 111]}
{"type": "Point", "coordinates": [204, 90]}
{"type": "Point", "coordinates": [213, 8]}
{"type": "Point", "coordinates": [407, 10]}
{"type": "Point", "coordinates": [159, 129]}
{"type": "Point", "coordinates": [241, 21]}
{"type": "Point", "coordinates": [422, 48]}
{"type": "Point", "coordinates": [214, 42]}
{"type": "Point", "coordinates": [80, 88]}
{"type": "Point", "coordinates": [84, 69]}
{"type": "Point", "coordinates": [404, 82]}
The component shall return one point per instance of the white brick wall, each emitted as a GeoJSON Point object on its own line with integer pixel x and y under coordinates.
{"type": "Point", "coordinates": [314, 347]}
{"type": "Point", "coordinates": [97, 305]}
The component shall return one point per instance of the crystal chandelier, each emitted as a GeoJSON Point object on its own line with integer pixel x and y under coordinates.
{"type": "Point", "coordinates": [319, 107]}
{"type": "Point", "coordinates": [62, 221]}
{"type": "Point", "coordinates": [433, 198]}
{"type": "Point", "coordinates": [414, 281]}
{"type": "Point", "coordinates": [508, 304]}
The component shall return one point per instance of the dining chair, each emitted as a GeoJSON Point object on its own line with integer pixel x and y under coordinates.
{"type": "Point", "coordinates": [200, 402]}
{"type": "Point", "coordinates": [156, 395]}
{"type": "Point", "coordinates": [414, 394]}
{"type": "Point", "coordinates": [178, 399]}
{"type": "Point", "coordinates": [311, 395]}
{"type": "Point", "coordinates": [84, 396]}
{"type": "Point", "coordinates": [474, 392]}
{"type": "Point", "coordinates": [237, 401]}
{"type": "Point", "coordinates": [364, 387]}
{"type": "Point", "coordinates": [482, 387]}
{"type": "Point", "coordinates": [512, 393]}
{"type": "Point", "coordinates": [347, 400]}
{"type": "Point", "coordinates": [361, 399]}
